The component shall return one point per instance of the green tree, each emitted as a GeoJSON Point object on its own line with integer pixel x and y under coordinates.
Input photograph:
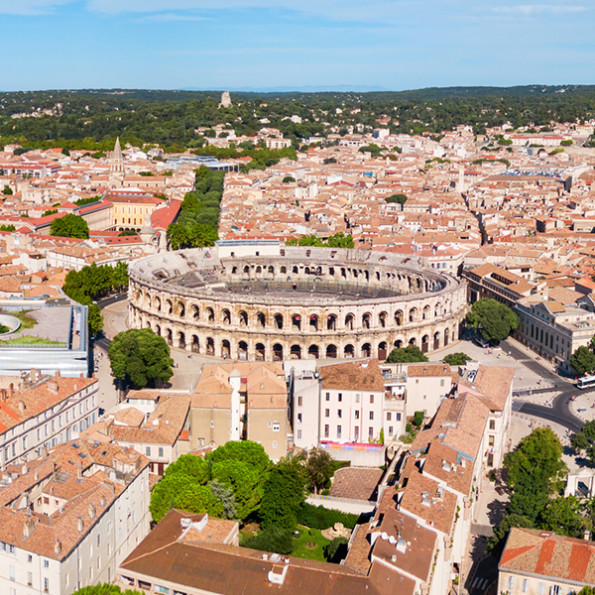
{"type": "Point", "coordinates": [284, 493]}
{"type": "Point", "coordinates": [191, 465]}
{"type": "Point", "coordinates": [105, 589]}
{"type": "Point", "coordinates": [336, 550]}
{"type": "Point", "coordinates": [456, 359]}
{"type": "Point", "coordinates": [94, 319]}
{"type": "Point", "coordinates": [139, 358]}
{"type": "Point", "coordinates": [400, 198]}
{"type": "Point", "coordinates": [69, 226]}
{"type": "Point", "coordinates": [288, 180]}
{"type": "Point", "coordinates": [509, 520]}
{"type": "Point", "coordinates": [564, 516]}
{"type": "Point", "coordinates": [586, 590]}
{"type": "Point", "coordinates": [7, 191]}
{"type": "Point", "coordinates": [582, 360]}
{"type": "Point", "coordinates": [319, 467]}
{"type": "Point", "coordinates": [411, 353]}
{"type": "Point", "coordinates": [584, 441]}
{"type": "Point", "coordinates": [495, 320]}
{"type": "Point", "coordinates": [226, 497]}
{"type": "Point", "coordinates": [340, 240]}
{"type": "Point", "coordinates": [251, 453]}
{"type": "Point", "coordinates": [127, 232]}
{"type": "Point", "coordinates": [272, 539]}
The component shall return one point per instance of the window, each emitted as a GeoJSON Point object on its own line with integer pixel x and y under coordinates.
{"type": "Point", "coordinates": [276, 427]}
{"type": "Point", "coordinates": [299, 434]}
{"type": "Point", "coordinates": [339, 412]}
{"type": "Point", "coordinates": [29, 556]}
{"type": "Point", "coordinates": [327, 413]}
{"type": "Point", "coordinates": [388, 416]}
{"type": "Point", "coordinates": [371, 415]}
{"type": "Point", "coordinates": [326, 430]}
{"type": "Point", "coordinates": [371, 399]}
{"type": "Point", "coordinates": [98, 539]}
{"type": "Point", "coordinates": [161, 451]}
{"type": "Point", "coordinates": [338, 431]}
{"type": "Point", "coordinates": [356, 433]}
{"type": "Point", "coordinates": [340, 397]}
{"type": "Point", "coordinates": [300, 400]}
{"type": "Point", "coordinates": [212, 424]}
{"type": "Point", "coordinates": [274, 444]}
{"type": "Point", "coordinates": [148, 451]}
{"type": "Point", "coordinates": [299, 418]}
{"type": "Point", "coordinates": [357, 398]}
{"type": "Point", "coordinates": [510, 583]}
{"type": "Point", "coordinates": [356, 414]}
{"type": "Point", "coordinates": [391, 430]}
{"type": "Point", "coordinates": [30, 579]}
{"type": "Point", "coordinates": [370, 432]}
{"type": "Point", "coordinates": [492, 424]}
{"type": "Point", "coordinates": [46, 584]}
{"type": "Point", "coordinates": [328, 396]}
{"type": "Point", "coordinates": [46, 563]}
{"type": "Point", "coordinates": [11, 572]}
{"type": "Point", "coordinates": [491, 440]}
{"type": "Point", "coordinates": [525, 585]}
{"type": "Point", "coordinates": [541, 589]}
{"type": "Point", "coordinates": [442, 382]}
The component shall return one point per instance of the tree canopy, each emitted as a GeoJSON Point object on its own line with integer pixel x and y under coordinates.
{"type": "Point", "coordinates": [69, 226]}
{"type": "Point", "coordinates": [456, 359]}
{"type": "Point", "coordinates": [583, 442]}
{"type": "Point", "coordinates": [338, 240]}
{"type": "Point", "coordinates": [411, 353]}
{"type": "Point", "coordinates": [495, 320]}
{"type": "Point", "coordinates": [140, 358]}
{"type": "Point", "coordinates": [105, 589]}
{"type": "Point", "coordinates": [398, 198]}
{"type": "Point", "coordinates": [582, 360]}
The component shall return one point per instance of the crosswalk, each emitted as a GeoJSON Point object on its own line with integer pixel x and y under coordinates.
{"type": "Point", "coordinates": [479, 584]}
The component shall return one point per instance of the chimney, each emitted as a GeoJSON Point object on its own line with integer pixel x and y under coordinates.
{"type": "Point", "coordinates": [58, 374]}
{"type": "Point", "coordinates": [28, 527]}
{"type": "Point", "coordinates": [91, 510]}
{"type": "Point", "coordinates": [57, 547]}
{"type": "Point", "coordinates": [22, 406]}
{"type": "Point", "coordinates": [102, 501]}
{"type": "Point", "coordinates": [80, 525]}
{"type": "Point", "coordinates": [53, 386]}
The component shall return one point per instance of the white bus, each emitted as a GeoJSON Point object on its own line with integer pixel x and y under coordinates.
{"type": "Point", "coordinates": [585, 382]}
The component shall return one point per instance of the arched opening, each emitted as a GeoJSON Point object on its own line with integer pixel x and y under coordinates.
{"type": "Point", "coordinates": [260, 352]}
{"type": "Point", "coordinates": [271, 270]}
{"type": "Point", "coordinates": [247, 271]}
{"type": "Point", "coordinates": [331, 351]}
{"type": "Point", "coordinates": [181, 340]}
{"type": "Point", "coordinates": [296, 322]}
{"type": "Point", "coordinates": [425, 344]}
{"type": "Point", "coordinates": [313, 322]}
{"type": "Point", "coordinates": [158, 330]}
{"type": "Point", "coordinates": [446, 337]}
{"type": "Point", "coordinates": [382, 351]}
{"type": "Point", "coordinates": [234, 270]}
{"type": "Point", "coordinates": [278, 321]}
{"type": "Point", "coordinates": [195, 346]}
{"type": "Point", "coordinates": [349, 350]}
{"type": "Point", "coordinates": [295, 270]}
{"type": "Point", "coordinates": [366, 350]}
{"type": "Point", "coordinates": [169, 336]}
{"type": "Point", "coordinates": [438, 310]}
{"type": "Point", "coordinates": [158, 304]}
{"type": "Point", "coordinates": [313, 351]}
{"type": "Point", "coordinates": [398, 344]}
{"type": "Point", "coordinates": [169, 307]}
{"type": "Point", "coordinates": [413, 315]}
{"type": "Point", "coordinates": [226, 316]}
{"type": "Point", "coordinates": [243, 350]}
{"type": "Point", "coordinates": [283, 270]}
{"type": "Point", "coordinates": [412, 341]}
{"type": "Point", "coordinates": [426, 313]}
{"type": "Point", "coordinates": [210, 346]}
{"type": "Point", "coordinates": [366, 320]}
{"type": "Point", "coordinates": [349, 319]}
{"type": "Point", "coordinates": [436, 341]}
{"type": "Point", "coordinates": [210, 315]}
{"type": "Point", "coordinates": [181, 309]}
{"type": "Point", "coordinates": [258, 270]}
{"type": "Point", "coordinates": [295, 352]}
{"type": "Point", "coordinates": [243, 317]}
{"type": "Point", "coordinates": [225, 349]}
{"type": "Point", "coordinates": [194, 312]}
{"type": "Point", "coordinates": [343, 273]}
{"type": "Point", "coordinates": [399, 317]}
{"type": "Point", "coordinates": [331, 322]}
{"type": "Point", "coordinates": [277, 352]}
{"type": "Point", "coordinates": [382, 318]}
{"type": "Point", "coordinates": [261, 319]}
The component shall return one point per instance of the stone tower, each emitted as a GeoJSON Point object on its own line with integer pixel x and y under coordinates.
{"type": "Point", "coordinates": [116, 168]}
{"type": "Point", "coordinates": [225, 99]}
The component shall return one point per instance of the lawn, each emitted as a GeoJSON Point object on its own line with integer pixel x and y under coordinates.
{"type": "Point", "coordinates": [26, 320]}
{"type": "Point", "coordinates": [309, 544]}
{"type": "Point", "coordinates": [33, 341]}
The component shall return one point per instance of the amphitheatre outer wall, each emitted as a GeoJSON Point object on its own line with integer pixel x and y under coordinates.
{"type": "Point", "coordinates": [262, 301]}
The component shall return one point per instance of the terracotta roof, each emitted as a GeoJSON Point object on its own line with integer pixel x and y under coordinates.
{"type": "Point", "coordinates": [360, 375]}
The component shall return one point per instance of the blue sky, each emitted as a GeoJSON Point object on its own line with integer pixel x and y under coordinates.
{"type": "Point", "coordinates": [220, 44]}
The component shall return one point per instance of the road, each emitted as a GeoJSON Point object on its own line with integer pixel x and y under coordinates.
{"type": "Point", "coordinates": [559, 412]}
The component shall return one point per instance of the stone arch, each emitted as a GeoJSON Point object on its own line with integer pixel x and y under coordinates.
{"type": "Point", "coordinates": [225, 316]}
{"type": "Point", "coordinates": [425, 343]}
{"type": "Point", "coordinates": [349, 321]}
{"type": "Point", "coordinates": [399, 317]}
{"type": "Point", "coordinates": [436, 340]}
{"type": "Point", "coordinates": [258, 270]}
{"type": "Point", "coordinates": [446, 337]}
{"type": "Point", "coordinates": [210, 346]}
{"type": "Point", "coordinates": [366, 320]}
{"type": "Point", "coordinates": [295, 270]}
{"type": "Point", "coordinates": [210, 314]}
{"type": "Point", "coordinates": [169, 336]}
{"type": "Point", "coordinates": [296, 322]}
{"type": "Point", "coordinates": [313, 351]}
{"type": "Point", "coordinates": [283, 270]}
{"type": "Point", "coordinates": [234, 270]}
{"type": "Point", "coordinates": [398, 344]}
{"type": "Point", "coordinates": [278, 321]}
{"type": "Point", "coordinates": [181, 340]}
{"type": "Point", "coordinates": [366, 350]}
{"type": "Point", "coordinates": [242, 350]}
{"type": "Point", "coordinates": [194, 311]}
{"type": "Point", "coordinates": [314, 322]}
{"type": "Point", "coordinates": [277, 352]}
{"type": "Point", "coordinates": [426, 312]}
{"type": "Point", "coordinates": [412, 341]}
{"type": "Point", "coordinates": [225, 349]}
{"type": "Point", "coordinates": [382, 350]}
{"type": "Point", "coordinates": [331, 351]}
{"type": "Point", "coordinates": [243, 318]}
{"type": "Point", "coordinates": [246, 270]}
{"type": "Point", "coordinates": [195, 344]}
{"type": "Point", "coordinates": [169, 307]}
{"type": "Point", "coordinates": [331, 322]}
{"type": "Point", "coordinates": [261, 320]}
{"type": "Point", "coordinates": [413, 314]}
{"type": "Point", "coordinates": [295, 352]}
{"type": "Point", "coordinates": [260, 352]}
{"type": "Point", "coordinates": [382, 319]}
{"type": "Point", "coordinates": [271, 270]}
{"type": "Point", "coordinates": [438, 310]}
{"type": "Point", "coordinates": [349, 350]}
{"type": "Point", "coordinates": [158, 330]}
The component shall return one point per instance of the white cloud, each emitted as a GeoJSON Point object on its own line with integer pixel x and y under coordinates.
{"type": "Point", "coordinates": [536, 9]}
{"type": "Point", "coordinates": [30, 7]}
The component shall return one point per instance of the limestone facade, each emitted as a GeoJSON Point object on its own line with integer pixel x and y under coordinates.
{"type": "Point", "coordinates": [295, 303]}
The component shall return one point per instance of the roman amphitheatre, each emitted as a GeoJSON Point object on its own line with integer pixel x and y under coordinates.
{"type": "Point", "coordinates": [259, 300]}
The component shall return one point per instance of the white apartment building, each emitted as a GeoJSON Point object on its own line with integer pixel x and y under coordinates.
{"type": "Point", "coordinates": [44, 413]}
{"type": "Point", "coordinates": [69, 519]}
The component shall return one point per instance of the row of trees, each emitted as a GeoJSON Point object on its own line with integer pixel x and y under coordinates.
{"type": "Point", "coordinates": [94, 282]}
{"type": "Point", "coordinates": [338, 240]}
